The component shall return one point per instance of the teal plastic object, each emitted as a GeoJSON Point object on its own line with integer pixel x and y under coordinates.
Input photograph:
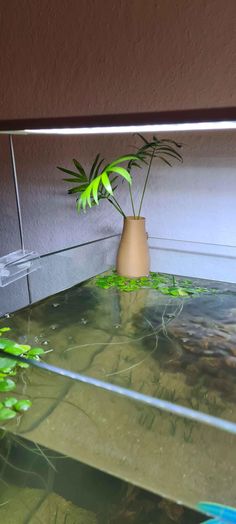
{"type": "Point", "coordinates": [221, 514]}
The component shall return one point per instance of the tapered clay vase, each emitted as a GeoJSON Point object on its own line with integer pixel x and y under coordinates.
{"type": "Point", "coordinates": [133, 253]}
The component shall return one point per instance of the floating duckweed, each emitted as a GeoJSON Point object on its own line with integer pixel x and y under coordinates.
{"type": "Point", "coordinates": [9, 402]}
{"type": "Point", "coordinates": [6, 384]}
{"type": "Point", "coordinates": [4, 330]}
{"type": "Point", "coordinates": [7, 414]}
{"type": "Point", "coordinates": [22, 405]}
{"type": "Point", "coordinates": [10, 406]}
{"type": "Point", "coordinates": [165, 284]}
{"type": "Point", "coordinates": [7, 365]}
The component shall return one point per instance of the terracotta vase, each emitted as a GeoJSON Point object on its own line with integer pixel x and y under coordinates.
{"type": "Point", "coordinates": [133, 253]}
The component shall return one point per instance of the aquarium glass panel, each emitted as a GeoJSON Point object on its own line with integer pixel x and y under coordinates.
{"type": "Point", "coordinates": [42, 486]}
{"type": "Point", "coordinates": [140, 383]}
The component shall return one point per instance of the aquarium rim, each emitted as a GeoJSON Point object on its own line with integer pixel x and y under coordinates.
{"type": "Point", "coordinates": [205, 119]}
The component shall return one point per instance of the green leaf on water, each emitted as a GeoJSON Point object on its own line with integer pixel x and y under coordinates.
{"type": "Point", "coordinates": [7, 364]}
{"type": "Point", "coordinates": [6, 384]}
{"type": "Point", "coordinates": [8, 367]}
{"type": "Point", "coordinates": [10, 347]}
{"type": "Point", "coordinates": [22, 405]}
{"type": "Point", "coordinates": [4, 330]}
{"type": "Point", "coordinates": [24, 347]}
{"type": "Point", "coordinates": [13, 350]}
{"type": "Point", "coordinates": [35, 352]}
{"type": "Point", "coordinates": [7, 414]}
{"type": "Point", "coordinates": [165, 284]}
{"type": "Point", "coordinates": [22, 365]}
{"type": "Point", "coordinates": [9, 402]}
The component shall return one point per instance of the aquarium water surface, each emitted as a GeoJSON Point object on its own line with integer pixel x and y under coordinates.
{"type": "Point", "coordinates": [86, 454]}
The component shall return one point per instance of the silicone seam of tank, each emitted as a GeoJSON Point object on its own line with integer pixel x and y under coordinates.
{"type": "Point", "coordinates": [18, 207]}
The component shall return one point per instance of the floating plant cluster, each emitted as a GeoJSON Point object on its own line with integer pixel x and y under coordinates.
{"type": "Point", "coordinates": [165, 284]}
{"type": "Point", "coordinates": [10, 406]}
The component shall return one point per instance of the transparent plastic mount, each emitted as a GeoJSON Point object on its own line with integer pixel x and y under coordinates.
{"type": "Point", "coordinates": [17, 265]}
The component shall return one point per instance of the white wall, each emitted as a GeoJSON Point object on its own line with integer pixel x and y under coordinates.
{"type": "Point", "coordinates": [97, 56]}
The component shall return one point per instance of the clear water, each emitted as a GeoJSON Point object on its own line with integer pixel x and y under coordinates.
{"type": "Point", "coordinates": [176, 349]}
{"type": "Point", "coordinates": [40, 486]}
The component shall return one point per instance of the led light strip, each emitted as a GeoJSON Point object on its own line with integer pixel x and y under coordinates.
{"type": "Point", "coordinates": [146, 128]}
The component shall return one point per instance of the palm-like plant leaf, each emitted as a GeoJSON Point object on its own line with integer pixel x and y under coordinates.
{"type": "Point", "coordinates": [81, 179]}
{"type": "Point", "coordinates": [106, 182]}
{"type": "Point", "coordinates": [159, 149]}
{"type": "Point", "coordinates": [97, 184]}
{"type": "Point", "coordinates": [95, 189]}
{"type": "Point", "coordinates": [163, 149]}
{"type": "Point", "coordinates": [79, 167]}
{"type": "Point", "coordinates": [102, 186]}
{"type": "Point", "coordinates": [121, 171]}
{"type": "Point", "coordinates": [95, 167]}
{"type": "Point", "coordinates": [78, 176]}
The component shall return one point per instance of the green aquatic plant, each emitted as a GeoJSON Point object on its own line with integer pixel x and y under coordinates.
{"type": "Point", "coordinates": [101, 182]}
{"type": "Point", "coordinates": [200, 400]}
{"type": "Point", "coordinates": [10, 406]}
{"type": "Point", "coordinates": [188, 432]}
{"type": "Point", "coordinates": [173, 425]}
{"type": "Point", "coordinates": [214, 407]}
{"type": "Point", "coordinates": [165, 284]}
{"type": "Point", "coordinates": [168, 394]}
{"type": "Point", "coordinates": [194, 403]}
{"type": "Point", "coordinates": [147, 418]}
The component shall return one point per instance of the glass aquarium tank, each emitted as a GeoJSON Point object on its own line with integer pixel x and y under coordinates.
{"type": "Point", "coordinates": [117, 392]}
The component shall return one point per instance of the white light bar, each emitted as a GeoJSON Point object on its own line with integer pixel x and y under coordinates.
{"type": "Point", "coordinates": [194, 126]}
